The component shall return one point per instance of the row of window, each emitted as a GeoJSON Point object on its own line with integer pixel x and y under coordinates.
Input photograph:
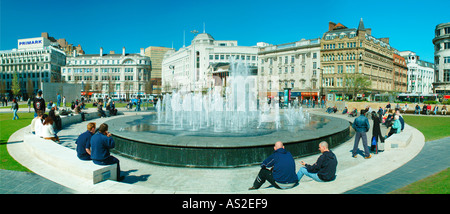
{"type": "Point", "coordinates": [227, 57]}
{"type": "Point", "coordinates": [446, 31]}
{"type": "Point", "coordinates": [286, 59]}
{"type": "Point", "coordinates": [24, 53]}
{"type": "Point", "coordinates": [106, 62]}
{"type": "Point", "coordinates": [7, 76]}
{"type": "Point", "coordinates": [96, 70]}
{"type": "Point", "coordinates": [438, 47]}
{"type": "Point", "coordinates": [339, 57]}
{"type": "Point", "coordinates": [340, 45]}
{"type": "Point", "coordinates": [90, 78]}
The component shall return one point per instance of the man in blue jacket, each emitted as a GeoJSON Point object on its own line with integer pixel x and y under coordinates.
{"type": "Point", "coordinates": [101, 143]}
{"type": "Point", "coordinates": [282, 175]}
{"type": "Point", "coordinates": [361, 126]}
{"type": "Point", "coordinates": [84, 143]}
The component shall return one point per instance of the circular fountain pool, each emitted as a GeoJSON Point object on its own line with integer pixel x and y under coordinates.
{"type": "Point", "coordinates": [140, 137]}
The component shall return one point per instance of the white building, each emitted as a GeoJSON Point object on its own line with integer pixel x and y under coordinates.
{"type": "Point", "coordinates": [442, 59]}
{"type": "Point", "coordinates": [118, 75]}
{"type": "Point", "coordinates": [420, 74]}
{"type": "Point", "coordinates": [187, 69]}
{"type": "Point", "coordinates": [292, 66]}
{"type": "Point", "coordinates": [35, 61]}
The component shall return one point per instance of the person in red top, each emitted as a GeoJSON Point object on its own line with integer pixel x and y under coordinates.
{"type": "Point", "coordinates": [428, 109]}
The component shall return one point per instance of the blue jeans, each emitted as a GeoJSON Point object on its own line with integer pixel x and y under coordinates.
{"type": "Point", "coordinates": [304, 171]}
{"type": "Point", "coordinates": [15, 114]}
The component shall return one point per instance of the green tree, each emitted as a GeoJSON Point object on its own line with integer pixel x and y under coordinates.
{"type": "Point", "coordinates": [357, 83]}
{"type": "Point", "coordinates": [15, 84]}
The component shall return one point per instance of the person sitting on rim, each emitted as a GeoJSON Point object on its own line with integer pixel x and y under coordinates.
{"type": "Point", "coordinates": [282, 173]}
{"type": "Point", "coordinates": [325, 167]}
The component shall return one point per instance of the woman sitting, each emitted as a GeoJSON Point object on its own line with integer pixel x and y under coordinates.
{"type": "Point", "coordinates": [47, 131]}
{"type": "Point", "coordinates": [395, 128]}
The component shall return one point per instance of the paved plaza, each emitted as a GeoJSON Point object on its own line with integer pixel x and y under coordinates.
{"type": "Point", "coordinates": [383, 173]}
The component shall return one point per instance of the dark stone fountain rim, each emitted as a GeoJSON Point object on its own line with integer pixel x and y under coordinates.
{"type": "Point", "coordinates": [334, 125]}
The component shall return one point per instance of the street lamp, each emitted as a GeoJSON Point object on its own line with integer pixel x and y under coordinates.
{"type": "Point", "coordinates": [195, 59]}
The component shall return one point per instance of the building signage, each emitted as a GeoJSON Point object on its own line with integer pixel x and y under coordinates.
{"type": "Point", "coordinates": [30, 43]}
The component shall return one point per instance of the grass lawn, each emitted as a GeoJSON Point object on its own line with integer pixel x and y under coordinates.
{"type": "Point", "coordinates": [438, 183]}
{"type": "Point", "coordinates": [7, 128]}
{"type": "Point", "coordinates": [433, 128]}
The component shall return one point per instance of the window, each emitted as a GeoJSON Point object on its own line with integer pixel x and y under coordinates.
{"type": "Point", "coordinates": [447, 45]}
{"type": "Point", "coordinates": [340, 69]}
{"type": "Point", "coordinates": [446, 60]}
{"type": "Point", "coordinates": [447, 30]}
{"type": "Point", "coordinates": [446, 75]}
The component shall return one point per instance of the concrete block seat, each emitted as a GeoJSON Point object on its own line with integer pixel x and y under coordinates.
{"type": "Point", "coordinates": [400, 140]}
{"type": "Point", "coordinates": [66, 160]}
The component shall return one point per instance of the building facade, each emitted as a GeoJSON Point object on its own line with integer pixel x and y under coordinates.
{"type": "Point", "coordinates": [186, 70]}
{"type": "Point", "coordinates": [347, 53]}
{"type": "Point", "coordinates": [400, 73]}
{"type": "Point", "coordinates": [292, 67]}
{"type": "Point", "coordinates": [441, 44]}
{"type": "Point", "coordinates": [420, 74]}
{"type": "Point", "coordinates": [34, 61]}
{"type": "Point", "coordinates": [156, 55]}
{"type": "Point", "coordinates": [121, 76]}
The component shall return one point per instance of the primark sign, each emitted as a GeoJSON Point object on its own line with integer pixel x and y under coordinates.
{"type": "Point", "coordinates": [32, 43]}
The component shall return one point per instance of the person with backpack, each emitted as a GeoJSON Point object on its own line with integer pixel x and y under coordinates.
{"type": "Point", "coordinates": [39, 103]}
{"type": "Point", "coordinates": [376, 132]}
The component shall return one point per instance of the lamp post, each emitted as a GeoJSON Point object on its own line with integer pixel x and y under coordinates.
{"type": "Point", "coordinates": [195, 59]}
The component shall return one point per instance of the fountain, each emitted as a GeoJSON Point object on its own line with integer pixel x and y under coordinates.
{"type": "Point", "coordinates": [224, 127]}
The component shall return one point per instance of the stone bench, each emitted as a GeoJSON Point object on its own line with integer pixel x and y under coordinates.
{"type": "Point", "coordinates": [66, 160]}
{"type": "Point", "coordinates": [400, 140]}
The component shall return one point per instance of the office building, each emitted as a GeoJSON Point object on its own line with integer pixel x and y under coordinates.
{"type": "Point", "coordinates": [293, 68]}
{"type": "Point", "coordinates": [156, 55]}
{"type": "Point", "coordinates": [441, 44]}
{"type": "Point", "coordinates": [186, 69]}
{"type": "Point", "coordinates": [350, 52]}
{"type": "Point", "coordinates": [121, 76]}
{"type": "Point", "coordinates": [34, 61]}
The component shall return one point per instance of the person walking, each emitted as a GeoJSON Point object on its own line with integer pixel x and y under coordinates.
{"type": "Point", "coordinates": [38, 103]}
{"type": "Point", "coordinates": [15, 108]}
{"type": "Point", "coordinates": [325, 167]}
{"type": "Point", "coordinates": [29, 104]}
{"type": "Point", "coordinates": [58, 100]}
{"type": "Point", "coordinates": [361, 126]}
{"type": "Point", "coordinates": [376, 130]}
{"type": "Point", "coordinates": [282, 173]}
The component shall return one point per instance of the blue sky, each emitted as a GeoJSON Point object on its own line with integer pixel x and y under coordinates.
{"type": "Point", "coordinates": [138, 24]}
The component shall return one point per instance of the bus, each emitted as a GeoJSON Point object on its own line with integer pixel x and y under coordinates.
{"type": "Point", "coordinates": [417, 98]}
